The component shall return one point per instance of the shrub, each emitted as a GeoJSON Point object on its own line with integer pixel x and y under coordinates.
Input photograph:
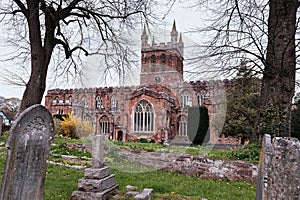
{"type": "Point", "coordinates": [248, 152]}
{"type": "Point", "coordinates": [143, 140]}
{"type": "Point", "coordinates": [198, 124]}
{"type": "Point", "coordinates": [57, 127]}
{"type": "Point", "coordinates": [75, 127]}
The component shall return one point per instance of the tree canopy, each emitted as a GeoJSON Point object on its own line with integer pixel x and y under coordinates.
{"type": "Point", "coordinates": [242, 103]}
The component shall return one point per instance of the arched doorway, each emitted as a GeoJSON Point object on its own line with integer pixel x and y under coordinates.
{"type": "Point", "coordinates": [120, 136]}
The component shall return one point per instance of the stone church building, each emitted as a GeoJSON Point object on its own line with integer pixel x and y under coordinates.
{"type": "Point", "coordinates": [157, 109]}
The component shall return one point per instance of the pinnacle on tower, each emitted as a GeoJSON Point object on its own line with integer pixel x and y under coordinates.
{"type": "Point", "coordinates": [144, 31]}
{"type": "Point", "coordinates": [174, 26]}
{"type": "Point", "coordinates": [144, 37]}
{"type": "Point", "coordinates": [153, 41]}
{"type": "Point", "coordinates": [180, 39]}
{"type": "Point", "coordinates": [174, 33]}
{"type": "Point", "coordinates": [180, 44]}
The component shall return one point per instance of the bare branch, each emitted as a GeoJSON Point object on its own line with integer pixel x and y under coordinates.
{"type": "Point", "coordinates": [24, 10]}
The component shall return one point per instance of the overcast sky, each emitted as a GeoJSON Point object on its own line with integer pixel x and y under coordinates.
{"type": "Point", "coordinates": [185, 19]}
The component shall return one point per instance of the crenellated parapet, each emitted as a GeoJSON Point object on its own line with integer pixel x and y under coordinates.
{"type": "Point", "coordinates": [174, 44]}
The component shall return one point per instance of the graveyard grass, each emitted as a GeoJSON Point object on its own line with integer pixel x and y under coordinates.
{"type": "Point", "coordinates": [61, 181]}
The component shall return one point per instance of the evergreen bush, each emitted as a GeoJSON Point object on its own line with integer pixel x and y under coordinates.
{"type": "Point", "coordinates": [198, 125]}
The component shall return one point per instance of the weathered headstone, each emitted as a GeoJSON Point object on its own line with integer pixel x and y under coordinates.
{"type": "Point", "coordinates": [98, 183]}
{"type": "Point", "coordinates": [261, 183]}
{"type": "Point", "coordinates": [98, 151]}
{"type": "Point", "coordinates": [1, 124]}
{"type": "Point", "coordinates": [28, 147]}
{"type": "Point", "coordinates": [279, 169]}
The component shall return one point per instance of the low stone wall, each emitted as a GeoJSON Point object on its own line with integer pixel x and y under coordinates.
{"type": "Point", "coordinates": [279, 169]}
{"type": "Point", "coordinates": [215, 169]}
{"type": "Point", "coordinates": [187, 164]}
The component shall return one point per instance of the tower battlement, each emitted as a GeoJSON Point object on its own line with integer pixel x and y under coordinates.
{"type": "Point", "coordinates": [174, 44]}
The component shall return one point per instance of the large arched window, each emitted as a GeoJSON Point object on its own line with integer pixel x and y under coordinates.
{"type": "Point", "coordinates": [186, 99]}
{"type": "Point", "coordinates": [114, 101]}
{"type": "Point", "coordinates": [182, 125]}
{"type": "Point", "coordinates": [84, 101]}
{"type": "Point", "coordinates": [98, 102]}
{"type": "Point", "coordinates": [143, 117]}
{"type": "Point", "coordinates": [104, 125]}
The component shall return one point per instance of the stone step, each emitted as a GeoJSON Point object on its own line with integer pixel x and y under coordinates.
{"type": "Point", "coordinates": [104, 195]}
{"type": "Point", "coordinates": [92, 173]}
{"type": "Point", "coordinates": [96, 185]}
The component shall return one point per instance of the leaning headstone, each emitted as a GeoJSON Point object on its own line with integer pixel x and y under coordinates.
{"type": "Point", "coordinates": [1, 124]}
{"type": "Point", "coordinates": [98, 183]}
{"type": "Point", "coordinates": [262, 177]}
{"type": "Point", "coordinates": [28, 146]}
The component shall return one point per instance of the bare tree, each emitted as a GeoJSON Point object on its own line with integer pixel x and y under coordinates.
{"type": "Point", "coordinates": [42, 27]}
{"type": "Point", "coordinates": [263, 33]}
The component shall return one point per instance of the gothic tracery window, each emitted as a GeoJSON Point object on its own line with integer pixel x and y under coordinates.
{"type": "Point", "coordinates": [182, 125]}
{"type": "Point", "coordinates": [186, 99]}
{"type": "Point", "coordinates": [98, 102]}
{"type": "Point", "coordinates": [114, 101]}
{"type": "Point", "coordinates": [143, 117]}
{"type": "Point", "coordinates": [104, 125]}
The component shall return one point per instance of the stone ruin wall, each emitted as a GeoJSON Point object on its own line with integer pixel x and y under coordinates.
{"type": "Point", "coordinates": [279, 169]}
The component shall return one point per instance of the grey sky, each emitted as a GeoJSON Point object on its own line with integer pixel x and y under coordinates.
{"type": "Point", "coordinates": [185, 19]}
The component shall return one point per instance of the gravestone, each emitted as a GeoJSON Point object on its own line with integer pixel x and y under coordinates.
{"type": "Point", "coordinates": [262, 176]}
{"type": "Point", "coordinates": [28, 147]}
{"type": "Point", "coordinates": [98, 151]}
{"type": "Point", "coordinates": [279, 169]}
{"type": "Point", "coordinates": [1, 123]}
{"type": "Point", "coordinates": [98, 183]}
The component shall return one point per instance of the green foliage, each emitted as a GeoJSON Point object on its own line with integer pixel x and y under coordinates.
{"type": "Point", "coordinates": [198, 124]}
{"type": "Point", "coordinates": [222, 154]}
{"type": "Point", "coordinates": [57, 127]}
{"type": "Point", "coordinates": [143, 140]}
{"type": "Point", "coordinates": [62, 149]}
{"type": "Point", "coordinates": [142, 146]}
{"type": "Point", "coordinates": [242, 101]}
{"type": "Point", "coordinates": [171, 185]}
{"type": "Point", "coordinates": [62, 181]}
{"type": "Point", "coordinates": [273, 121]}
{"type": "Point", "coordinates": [248, 152]}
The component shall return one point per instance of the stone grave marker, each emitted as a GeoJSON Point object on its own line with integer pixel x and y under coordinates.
{"type": "Point", "coordinates": [98, 151]}
{"type": "Point", "coordinates": [1, 123]}
{"type": "Point", "coordinates": [262, 177]}
{"type": "Point", "coordinates": [28, 147]}
{"type": "Point", "coordinates": [98, 183]}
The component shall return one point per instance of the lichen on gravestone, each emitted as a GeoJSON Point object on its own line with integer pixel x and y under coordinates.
{"type": "Point", "coordinates": [28, 147]}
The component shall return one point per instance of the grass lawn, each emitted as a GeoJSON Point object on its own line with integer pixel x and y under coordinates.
{"type": "Point", "coordinates": [61, 181]}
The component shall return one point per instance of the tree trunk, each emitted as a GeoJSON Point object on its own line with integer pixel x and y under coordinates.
{"type": "Point", "coordinates": [278, 83]}
{"type": "Point", "coordinates": [40, 56]}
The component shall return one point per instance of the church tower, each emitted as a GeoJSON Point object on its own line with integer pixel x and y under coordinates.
{"type": "Point", "coordinates": [162, 63]}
